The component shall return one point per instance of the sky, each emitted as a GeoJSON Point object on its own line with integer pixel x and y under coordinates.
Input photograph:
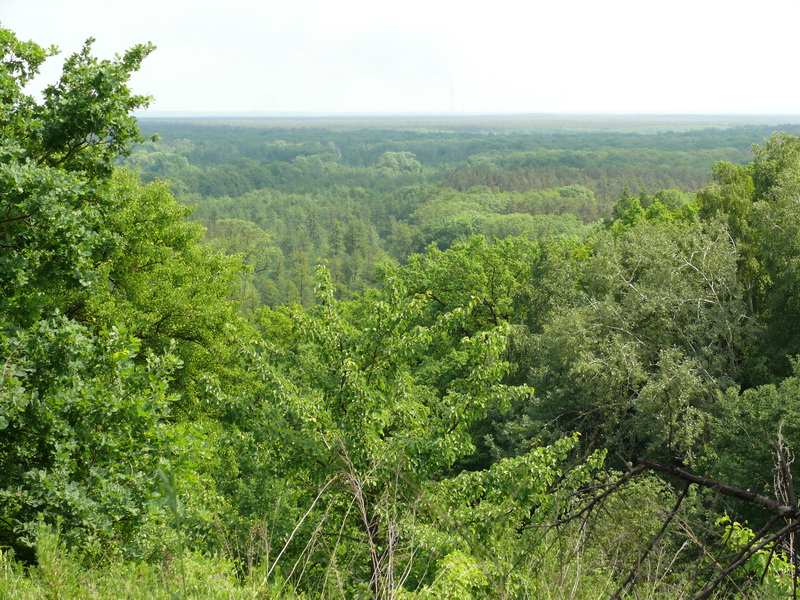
{"type": "Point", "coordinates": [330, 57]}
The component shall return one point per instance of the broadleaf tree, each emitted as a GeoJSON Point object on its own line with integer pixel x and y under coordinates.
{"type": "Point", "coordinates": [110, 308]}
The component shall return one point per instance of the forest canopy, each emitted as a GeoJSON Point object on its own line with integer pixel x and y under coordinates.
{"type": "Point", "coordinates": [254, 360]}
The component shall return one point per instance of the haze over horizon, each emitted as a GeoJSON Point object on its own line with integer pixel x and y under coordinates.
{"type": "Point", "coordinates": [353, 57]}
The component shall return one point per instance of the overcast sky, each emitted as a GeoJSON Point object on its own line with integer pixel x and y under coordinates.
{"type": "Point", "coordinates": [440, 56]}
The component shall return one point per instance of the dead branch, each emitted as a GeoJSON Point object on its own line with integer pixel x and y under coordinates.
{"type": "Point", "coordinates": [789, 512]}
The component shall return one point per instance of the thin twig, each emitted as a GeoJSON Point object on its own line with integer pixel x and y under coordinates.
{"type": "Point", "coordinates": [652, 543]}
{"type": "Point", "coordinates": [296, 528]}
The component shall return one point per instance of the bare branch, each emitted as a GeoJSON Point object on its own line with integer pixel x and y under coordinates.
{"type": "Point", "coordinates": [769, 503]}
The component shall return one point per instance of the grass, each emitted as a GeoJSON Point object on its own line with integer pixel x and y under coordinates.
{"type": "Point", "coordinates": [59, 575]}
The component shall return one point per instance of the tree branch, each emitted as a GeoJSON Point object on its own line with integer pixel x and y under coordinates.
{"type": "Point", "coordinates": [783, 510]}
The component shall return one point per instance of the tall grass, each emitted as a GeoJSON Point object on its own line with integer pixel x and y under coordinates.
{"type": "Point", "coordinates": [60, 575]}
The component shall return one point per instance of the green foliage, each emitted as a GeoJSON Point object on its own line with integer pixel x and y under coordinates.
{"type": "Point", "coordinates": [399, 161]}
{"type": "Point", "coordinates": [759, 204]}
{"type": "Point", "coordinates": [776, 169]}
{"type": "Point", "coordinates": [496, 515]}
{"type": "Point", "coordinates": [534, 227]}
{"type": "Point", "coordinates": [376, 436]}
{"type": "Point", "coordinates": [163, 285]}
{"type": "Point", "coordinates": [84, 424]}
{"type": "Point", "coordinates": [773, 570]}
{"type": "Point", "coordinates": [85, 121]}
{"type": "Point", "coordinates": [459, 575]}
{"type": "Point", "coordinates": [369, 401]}
{"type": "Point", "coordinates": [112, 309]}
{"type": "Point", "coordinates": [473, 271]}
{"type": "Point", "coordinates": [49, 239]}
{"type": "Point", "coordinates": [314, 186]}
{"type": "Point", "coordinates": [747, 429]}
{"type": "Point", "coordinates": [20, 63]}
{"type": "Point", "coordinates": [729, 194]}
{"type": "Point", "coordinates": [663, 207]}
{"type": "Point", "coordinates": [426, 375]}
{"type": "Point", "coordinates": [777, 252]}
{"type": "Point", "coordinates": [298, 230]}
{"type": "Point", "coordinates": [60, 574]}
{"type": "Point", "coordinates": [263, 261]}
{"type": "Point", "coordinates": [635, 353]}
{"type": "Point", "coordinates": [55, 160]}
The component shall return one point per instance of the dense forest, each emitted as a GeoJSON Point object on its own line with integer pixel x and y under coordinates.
{"type": "Point", "coordinates": [358, 193]}
{"type": "Point", "coordinates": [414, 359]}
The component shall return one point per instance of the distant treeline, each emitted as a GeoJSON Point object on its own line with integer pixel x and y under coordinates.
{"type": "Point", "coordinates": [358, 196]}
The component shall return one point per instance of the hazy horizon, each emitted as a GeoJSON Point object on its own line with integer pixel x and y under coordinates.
{"type": "Point", "coordinates": [156, 114]}
{"type": "Point", "coordinates": [355, 57]}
